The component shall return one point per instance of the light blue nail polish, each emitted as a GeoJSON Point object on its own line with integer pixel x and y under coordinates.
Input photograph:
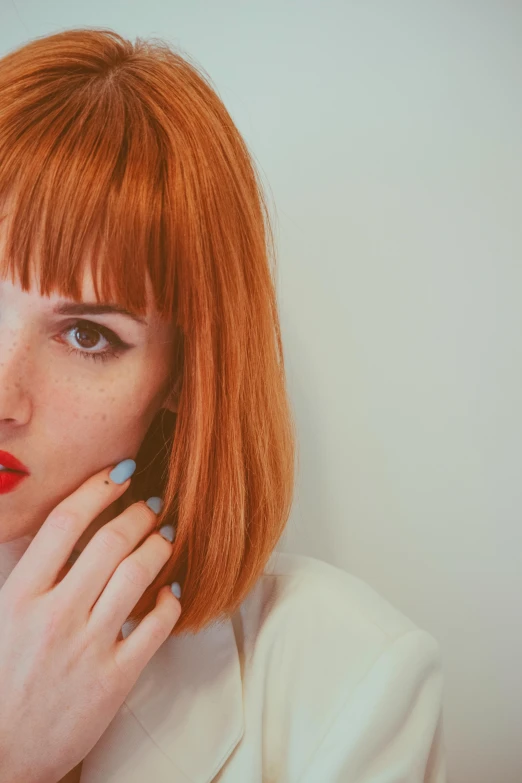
{"type": "Point", "coordinates": [156, 504]}
{"type": "Point", "coordinates": [176, 589]}
{"type": "Point", "coordinates": [167, 531]}
{"type": "Point", "coordinates": [122, 471]}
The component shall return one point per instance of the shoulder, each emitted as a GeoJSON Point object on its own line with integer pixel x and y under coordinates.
{"type": "Point", "coordinates": [300, 578]}
{"type": "Point", "coordinates": [306, 596]}
{"type": "Point", "coordinates": [327, 654]}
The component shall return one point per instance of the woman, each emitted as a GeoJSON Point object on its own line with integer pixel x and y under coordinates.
{"type": "Point", "coordinates": [138, 325]}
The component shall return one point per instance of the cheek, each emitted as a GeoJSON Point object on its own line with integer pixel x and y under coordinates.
{"type": "Point", "coordinates": [84, 411]}
{"type": "Point", "coordinates": [98, 415]}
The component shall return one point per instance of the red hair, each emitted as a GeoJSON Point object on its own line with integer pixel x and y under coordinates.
{"type": "Point", "coordinates": [122, 153]}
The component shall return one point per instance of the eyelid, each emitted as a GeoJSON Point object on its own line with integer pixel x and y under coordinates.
{"type": "Point", "coordinates": [106, 331]}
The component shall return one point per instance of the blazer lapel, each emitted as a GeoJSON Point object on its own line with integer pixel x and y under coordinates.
{"type": "Point", "coordinates": [182, 719]}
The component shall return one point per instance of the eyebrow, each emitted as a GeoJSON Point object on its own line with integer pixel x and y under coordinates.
{"type": "Point", "coordinates": [93, 308]}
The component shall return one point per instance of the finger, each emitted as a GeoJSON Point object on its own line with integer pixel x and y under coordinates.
{"type": "Point", "coordinates": [46, 555]}
{"type": "Point", "coordinates": [110, 545]}
{"type": "Point", "coordinates": [126, 586]}
{"type": "Point", "coordinates": [134, 652]}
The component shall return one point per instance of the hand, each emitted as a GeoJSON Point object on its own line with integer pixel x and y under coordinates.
{"type": "Point", "coordinates": [65, 669]}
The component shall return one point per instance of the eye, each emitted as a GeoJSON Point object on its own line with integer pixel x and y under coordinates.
{"type": "Point", "coordinates": [88, 334]}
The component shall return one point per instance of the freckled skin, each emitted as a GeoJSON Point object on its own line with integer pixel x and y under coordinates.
{"type": "Point", "coordinates": [67, 417]}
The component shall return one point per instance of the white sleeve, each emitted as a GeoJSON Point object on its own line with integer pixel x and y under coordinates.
{"type": "Point", "coordinates": [390, 728]}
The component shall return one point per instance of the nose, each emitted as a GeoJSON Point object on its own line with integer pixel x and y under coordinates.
{"type": "Point", "coordinates": [15, 379]}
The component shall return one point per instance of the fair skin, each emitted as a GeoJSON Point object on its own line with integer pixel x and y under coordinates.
{"type": "Point", "coordinates": [65, 670]}
{"type": "Point", "coordinates": [67, 416]}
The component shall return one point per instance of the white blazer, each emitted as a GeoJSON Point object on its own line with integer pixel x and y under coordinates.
{"type": "Point", "coordinates": [316, 679]}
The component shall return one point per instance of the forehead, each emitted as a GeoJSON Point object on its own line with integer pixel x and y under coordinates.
{"type": "Point", "coordinates": [88, 292]}
{"type": "Point", "coordinates": [116, 288]}
{"type": "Point", "coordinates": [85, 279]}
{"type": "Point", "coordinates": [13, 289]}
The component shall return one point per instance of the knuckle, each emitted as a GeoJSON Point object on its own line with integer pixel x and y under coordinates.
{"type": "Point", "coordinates": [111, 538]}
{"type": "Point", "coordinates": [111, 681]}
{"type": "Point", "coordinates": [15, 604]}
{"type": "Point", "coordinates": [143, 512]}
{"type": "Point", "coordinates": [16, 596]}
{"type": "Point", "coordinates": [64, 518]}
{"type": "Point", "coordinates": [164, 545]}
{"type": "Point", "coordinates": [134, 571]}
{"type": "Point", "coordinates": [140, 510]}
{"type": "Point", "coordinates": [158, 629]}
{"type": "Point", "coordinates": [50, 624]}
{"type": "Point", "coordinates": [177, 606]}
{"type": "Point", "coordinates": [175, 613]}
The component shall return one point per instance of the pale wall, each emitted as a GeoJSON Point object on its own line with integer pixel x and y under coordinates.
{"type": "Point", "coordinates": [390, 134]}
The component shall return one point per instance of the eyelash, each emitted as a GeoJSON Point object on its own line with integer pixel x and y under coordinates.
{"type": "Point", "coordinates": [116, 346]}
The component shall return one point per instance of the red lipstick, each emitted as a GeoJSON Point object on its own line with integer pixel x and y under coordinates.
{"type": "Point", "coordinates": [15, 471]}
{"type": "Point", "coordinates": [8, 461]}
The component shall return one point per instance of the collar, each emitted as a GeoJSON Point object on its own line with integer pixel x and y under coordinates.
{"type": "Point", "coordinates": [183, 717]}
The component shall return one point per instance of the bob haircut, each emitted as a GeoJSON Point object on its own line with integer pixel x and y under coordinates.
{"type": "Point", "coordinates": [121, 155]}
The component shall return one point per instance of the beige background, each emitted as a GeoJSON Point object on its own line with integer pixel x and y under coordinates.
{"type": "Point", "coordinates": [390, 134]}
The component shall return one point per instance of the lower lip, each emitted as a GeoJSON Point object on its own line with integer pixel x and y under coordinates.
{"type": "Point", "coordinates": [9, 481]}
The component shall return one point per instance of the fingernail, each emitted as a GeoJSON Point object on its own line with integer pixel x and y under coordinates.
{"type": "Point", "coordinates": [176, 589]}
{"type": "Point", "coordinates": [156, 504]}
{"type": "Point", "coordinates": [122, 471]}
{"type": "Point", "coordinates": [167, 531]}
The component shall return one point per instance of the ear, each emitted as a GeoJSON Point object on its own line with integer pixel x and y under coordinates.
{"type": "Point", "coordinates": [171, 401]}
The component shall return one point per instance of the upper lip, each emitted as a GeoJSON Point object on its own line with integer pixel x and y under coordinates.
{"type": "Point", "coordinates": [8, 461]}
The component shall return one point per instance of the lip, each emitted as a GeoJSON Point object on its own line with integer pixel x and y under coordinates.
{"type": "Point", "coordinates": [8, 461]}
{"type": "Point", "coordinates": [9, 481]}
